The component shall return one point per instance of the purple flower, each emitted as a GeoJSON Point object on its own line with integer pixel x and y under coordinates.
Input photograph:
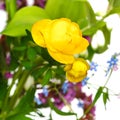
{"type": "Point", "coordinates": [42, 98]}
{"type": "Point", "coordinates": [88, 38]}
{"type": "Point", "coordinates": [21, 3]}
{"type": "Point", "coordinates": [2, 5]}
{"type": "Point", "coordinates": [40, 3]}
{"type": "Point", "coordinates": [8, 75]}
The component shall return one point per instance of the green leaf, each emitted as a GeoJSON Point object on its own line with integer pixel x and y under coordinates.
{"type": "Point", "coordinates": [24, 19]}
{"type": "Point", "coordinates": [106, 33]}
{"type": "Point", "coordinates": [52, 106]}
{"type": "Point", "coordinates": [18, 117]}
{"type": "Point", "coordinates": [97, 96]}
{"type": "Point", "coordinates": [24, 106]}
{"type": "Point", "coordinates": [92, 28]}
{"type": "Point", "coordinates": [40, 71]}
{"type": "Point", "coordinates": [47, 77]}
{"type": "Point", "coordinates": [31, 53]}
{"type": "Point", "coordinates": [3, 90]}
{"type": "Point", "coordinates": [105, 97]}
{"type": "Point", "coordinates": [114, 7]}
{"type": "Point", "coordinates": [78, 11]}
{"type": "Point", "coordinates": [27, 64]}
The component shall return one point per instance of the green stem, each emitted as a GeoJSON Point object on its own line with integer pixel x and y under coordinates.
{"type": "Point", "coordinates": [96, 97]}
{"type": "Point", "coordinates": [18, 89]}
{"type": "Point", "coordinates": [16, 75]}
{"type": "Point", "coordinates": [11, 7]}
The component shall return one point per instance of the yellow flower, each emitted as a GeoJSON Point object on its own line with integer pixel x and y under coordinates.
{"type": "Point", "coordinates": [77, 71]}
{"type": "Point", "coordinates": [61, 37]}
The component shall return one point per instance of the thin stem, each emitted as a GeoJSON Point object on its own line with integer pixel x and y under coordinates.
{"type": "Point", "coordinates": [94, 101]}
{"type": "Point", "coordinates": [64, 100]}
{"type": "Point", "coordinates": [11, 7]}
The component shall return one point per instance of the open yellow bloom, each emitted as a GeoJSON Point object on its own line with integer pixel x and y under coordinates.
{"type": "Point", "coordinates": [77, 71]}
{"type": "Point", "coordinates": [61, 37]}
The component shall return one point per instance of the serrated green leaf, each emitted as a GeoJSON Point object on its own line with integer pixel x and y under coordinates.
{"type": "Point", "coordinates": [52, 106]}
{"type": "Point", "coordinates": [24, 19]}
{"type": "Point", "coordinates": [47, 77]}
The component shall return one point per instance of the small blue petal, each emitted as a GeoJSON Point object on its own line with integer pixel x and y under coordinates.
{"type": "Point", "coordinates": [84, 82]}
{"type": "Point", "coordinates": [80, 104]}
{"type": "Point", "coordinates": [45, 91]}
{"type": "Point", "coordinates": [37, 101]}
{"type": "Point", "coordinates": [93, 66]}
{"type": "Point", "coordinates": [65, 87]}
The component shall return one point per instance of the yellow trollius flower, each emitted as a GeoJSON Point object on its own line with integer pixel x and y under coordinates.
{"type": "Point", "coordinates": [61, 37]}
{"type": "Point", "coordinates": [76, 71]}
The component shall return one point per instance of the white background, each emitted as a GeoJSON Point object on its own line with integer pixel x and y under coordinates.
{"type": "Point", "coordinates": [113, 106]}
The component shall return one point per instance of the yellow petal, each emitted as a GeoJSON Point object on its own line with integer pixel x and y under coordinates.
{"type": "Point", "coordinates": [60, 57]}
{"type": "Point", "coordinates": [38, 31]}
{"type": "Point", "coordinates": [76, 71]}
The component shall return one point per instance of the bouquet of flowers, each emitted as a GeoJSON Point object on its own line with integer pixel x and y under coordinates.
{"type": "Point", "coordinates": [46, 55]}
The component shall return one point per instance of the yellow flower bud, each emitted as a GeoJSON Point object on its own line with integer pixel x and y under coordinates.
{"type": "Point", "coordinates": [61, 37]}
{"type": "Point", "coordinates": [77, 71]}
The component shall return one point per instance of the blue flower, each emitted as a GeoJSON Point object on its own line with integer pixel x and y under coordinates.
{"type": "Point", "coordinates": [80, 104]}
{"type": "Point", "coordinates": [113, 61]}
{"type": "Point", "coordinates": [45, 91]}
{"type": "Point", "coordinates": [37, 100]}
{"type": "Point", "coordinates": [93, 66]}
{"type": "Point", "coordinates": [65, 87]}
{"type": "Point", "coordinates": [84, 82]}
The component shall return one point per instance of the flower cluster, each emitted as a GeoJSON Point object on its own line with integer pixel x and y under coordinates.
{"type": "Point", "coordinates": [63, 39]}
{"type": "Point", "coordinates": [64, 95]}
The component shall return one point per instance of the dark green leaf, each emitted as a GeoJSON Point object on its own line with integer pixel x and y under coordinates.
{"type": "Point", "coordinates": [40, 71]}
{"type": "Point", "coordinates": [31, 54]}
{"type": "Point", "coordinates": [24, 19]}
{"type": "Point", "coordinates": [52, 106]}
{"type": "Point", "coordinates": [47, 77]}
{"type": "Point", "coordinates": [24, 106]}
{"type": "Point", "coordinates": [19, 48]}
{"type": "Point", "coordinates": [3, 90]}
{"type": "Point", "coordinates": [27, 64]}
